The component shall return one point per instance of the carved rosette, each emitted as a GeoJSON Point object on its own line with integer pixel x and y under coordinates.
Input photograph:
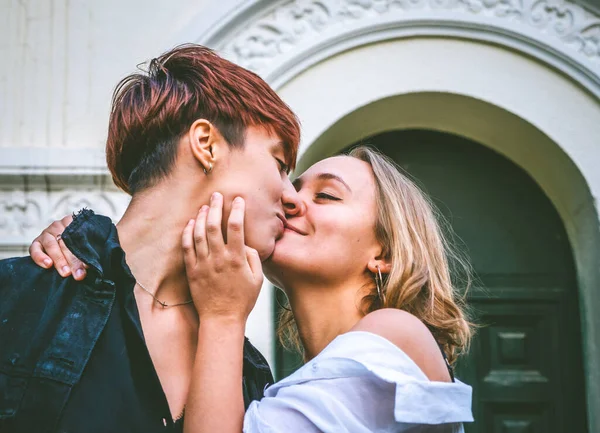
{"type": "Point", "coordinates": [258, 45]}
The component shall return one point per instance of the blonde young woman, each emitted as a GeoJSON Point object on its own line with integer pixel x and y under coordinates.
{"type": "Point", "coordinates": [364, 265]}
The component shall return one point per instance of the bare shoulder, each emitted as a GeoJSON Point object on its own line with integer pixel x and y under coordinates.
{"type": "Point", "coordinates": [411, 335]}
{"type": "Point", "coordinates": [400, 327]}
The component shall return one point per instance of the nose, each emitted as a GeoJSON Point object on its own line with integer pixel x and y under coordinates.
{"type": "Point", "coordinates": [292, 203]}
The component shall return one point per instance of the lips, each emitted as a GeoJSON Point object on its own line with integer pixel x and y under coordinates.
{"type": "Point", "coordinates": [294, 229]}
{"type": "Point", "coordinates": [283, 221]}
{"type": "Point", "coordinates": [287, 225]}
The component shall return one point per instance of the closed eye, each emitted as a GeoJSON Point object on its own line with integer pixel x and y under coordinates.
{"type": "Point", "coordinates": [326, 196]}
{"type": "Point", "coordinates": [283, 166]}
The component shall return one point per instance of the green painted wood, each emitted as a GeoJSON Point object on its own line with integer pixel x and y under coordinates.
{"type": "Point", "coordinates": [525, 364]}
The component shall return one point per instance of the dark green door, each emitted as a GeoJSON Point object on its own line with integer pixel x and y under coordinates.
{"type": "Point", "coordinates": [525, 363]}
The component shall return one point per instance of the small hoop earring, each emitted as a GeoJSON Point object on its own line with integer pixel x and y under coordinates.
{"type": "Point", "coordinates": [210, 167]}
{"type": "Point", "coordinates": [379, 283]}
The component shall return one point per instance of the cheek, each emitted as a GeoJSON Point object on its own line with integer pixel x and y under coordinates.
{"type": "Point", "coordinates": [347, 245]}
{"type": "Point", "coordinates": [348, 239]}
{"type": "Point", "coordinates": [336, 241]}
{"type": "Point", "coordinates": [257, 233]}
{"type": "Point", "coordinates": [255, 218]}
{"type": "Point", "coordinates": [348, 227]}
{"type": "Point", "coordinates": [266, 188]}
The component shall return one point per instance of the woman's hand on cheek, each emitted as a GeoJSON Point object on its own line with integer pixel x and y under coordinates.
{"type": "Point", "coordinates": [224, 278]}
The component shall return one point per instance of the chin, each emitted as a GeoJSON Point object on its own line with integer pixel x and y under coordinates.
{"type": "Point", "coordinates": [263, 243]}
{"type": "Point", "coordinates": [283, 260]}
{"type": "Point", "coordinates": [265, 252]}
{"type": "Point", "coordinates": [274, 257]}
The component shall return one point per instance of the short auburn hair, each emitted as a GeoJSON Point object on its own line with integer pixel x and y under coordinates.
{"type": "Point", "coordinates": [151, 111]}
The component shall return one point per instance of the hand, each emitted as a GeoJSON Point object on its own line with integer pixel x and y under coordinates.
{"type": "Point", "coordinates": [46, 250]}
{"type": "Point", "coordinates": [224, 279]}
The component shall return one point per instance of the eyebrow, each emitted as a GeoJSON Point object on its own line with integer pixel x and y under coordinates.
{"type": "Point", "coordinates": [322, 176]}
{"type": "Point", "coordinates": [278, 146]}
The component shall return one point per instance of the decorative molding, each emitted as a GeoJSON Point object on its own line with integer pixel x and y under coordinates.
{"type": "Point", "coordinates": [273, 35]}
{"type": "Point", "coordinates": [28, 208]}
{"type": "Point", "coordinates": [25, 213]}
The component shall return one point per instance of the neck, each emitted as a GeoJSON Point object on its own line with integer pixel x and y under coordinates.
{"type": "Point", "coordinates": [324, 312]}
{"type": "Point", "coordinates": [150, 234]}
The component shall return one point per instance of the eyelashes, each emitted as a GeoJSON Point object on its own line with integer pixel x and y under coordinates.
{"type": "Point", "coordinates": [283, 166]}
{"type": "Point", "coordinates": [326, 196]}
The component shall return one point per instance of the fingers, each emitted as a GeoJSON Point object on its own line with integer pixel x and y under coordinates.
{"type": "Point", "coordinates": [203, 238]}
{"type": "Point", "coordinates": [53, 250]}
{"type": "Point", "coordinates": [224, 279]}
{"type": "Point", "coordinates": [187, 242]}
{"type": "Point", "coordinates": [214, 219]}
{"type": "Point", "coordinates": [38, 256]}
{"type": "Point", "coordinates": [235, 226]}
{"type": "Point", "coordinates": [199, 237]}
{"type": "Point", "coordinates": [37, 250]}
{"type": "Point", "coordinates": [255, 264]}
{"type": "Point", "coordinates": [66, 221]}
{"type": "Point", "coordinates": [47, 249]}
{"type": "Point", "coordinates": [78, 268]}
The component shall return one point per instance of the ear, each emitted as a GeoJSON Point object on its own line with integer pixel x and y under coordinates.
{"type": "Point", "coordinates": [384, 265]}
{"type": "Point", "coordinates": [203, 139]}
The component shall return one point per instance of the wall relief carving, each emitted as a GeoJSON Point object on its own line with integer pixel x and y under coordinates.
{"type": "Point", "coordinates": [281, 30]}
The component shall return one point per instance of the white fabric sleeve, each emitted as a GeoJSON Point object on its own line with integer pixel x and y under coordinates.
{"type": "Point", "coordinates": [350, 404]}
{"type": "Point", "coordinates": [361, 383]}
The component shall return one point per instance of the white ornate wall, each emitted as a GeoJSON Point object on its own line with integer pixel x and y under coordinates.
{"type": "Point", "coordinates": [60, 63]}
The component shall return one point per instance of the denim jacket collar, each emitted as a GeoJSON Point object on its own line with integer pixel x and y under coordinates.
{"type": "Point", "coordinates": [94, 240]}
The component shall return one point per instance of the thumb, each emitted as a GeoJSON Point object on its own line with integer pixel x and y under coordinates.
{"type": "Point", "coordinates": [255, 264]}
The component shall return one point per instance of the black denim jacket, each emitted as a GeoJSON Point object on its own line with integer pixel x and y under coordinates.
{"type": "Point", "coordinates": [50, 327]}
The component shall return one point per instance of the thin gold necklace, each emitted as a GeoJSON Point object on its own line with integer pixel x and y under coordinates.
{"type": "Point", "coordinates": [163, 304]}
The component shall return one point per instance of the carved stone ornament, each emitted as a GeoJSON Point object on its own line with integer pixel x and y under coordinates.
{"type": "Point", "coordinates": [24, 214]}
{"type": "Point", "coordinates": [277, 31]}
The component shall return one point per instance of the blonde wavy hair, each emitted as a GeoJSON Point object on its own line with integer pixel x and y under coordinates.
{"type": "Point", "coordinates": [408, 229]}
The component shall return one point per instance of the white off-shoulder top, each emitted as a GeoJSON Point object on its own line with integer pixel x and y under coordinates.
{"type": "Point", "coordinates": [360, 383]}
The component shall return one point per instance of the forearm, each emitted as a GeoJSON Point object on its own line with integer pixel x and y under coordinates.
{"type": "Point", "coordinates": [215, 401]}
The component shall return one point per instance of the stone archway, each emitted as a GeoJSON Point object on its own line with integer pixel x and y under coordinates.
{"type": "Point", "coordinates": [336, 113]}
{"type": "Point", "coordinates": [280, 39]}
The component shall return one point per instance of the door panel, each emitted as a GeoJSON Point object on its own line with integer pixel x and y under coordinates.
{"type": "Point", "coordinates": [516, 371]}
